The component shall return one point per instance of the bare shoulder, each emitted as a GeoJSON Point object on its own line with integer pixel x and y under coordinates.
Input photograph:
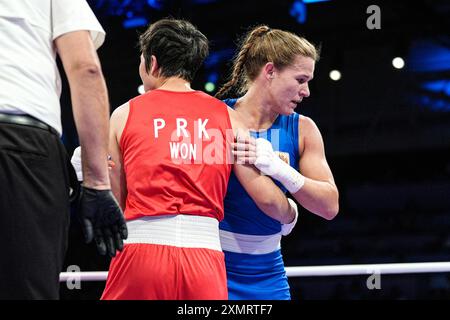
{"type": "Point", "coordinates": [119, 119]}
{"type": "Point", "coordinates": [307, 126]}
{"type": "Point", "coordinates": [121, 111]}
{"type": "Point", "coordinates": [310, 137]}
{"type": "Point", "coordinates": [306, 122]}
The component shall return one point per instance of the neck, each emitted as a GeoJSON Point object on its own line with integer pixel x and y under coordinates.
{"type": "Point", "coordinates": [257, 112]}
{"type": "Point", "coordinates": [174, 84]}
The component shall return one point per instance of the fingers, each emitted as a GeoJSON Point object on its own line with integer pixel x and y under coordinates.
{"type": "Point", "coordinates": [239, 146]}
{"type": "Point", "coordinates": [243, 157]}
{"type": "Point", "coordinates": [111, 164]}
{"type": "Point", "coordinates": [244, 150]}
{"type": "Point", "coordinates": [120, 226]}
{"type": "Point", "coordinates": [123, 230]}
{"type": "Point", "coordinates": [110, 246]}
{"type": "Point", "coordinates": [118, 242]}
{"type": "Point", "coordinates": [88, 230]}
{"type": "Point", "coordinates": [109, 240]}
{"type": "Point", "coordinates": [115, 233]}
{"type": "Point", "coordinates": [105, 241]}
{"type": "Point", "coordinates": [100, 242]}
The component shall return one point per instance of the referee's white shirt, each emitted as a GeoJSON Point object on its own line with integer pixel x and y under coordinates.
{"type": "Point", "coordinates": [30, 82]}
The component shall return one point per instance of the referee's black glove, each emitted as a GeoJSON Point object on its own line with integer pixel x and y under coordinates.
{"type": "Point", "coordinates": [102, 219]}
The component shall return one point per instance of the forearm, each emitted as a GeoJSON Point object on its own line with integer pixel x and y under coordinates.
{"type": "Point", "coordinates": [273, 202]}
{"type": "Point", "coordinates": [118, 185]}
{"type": "Point", "coordinates": [91, 113]}
{"type": "Point", "coordinates": [319, 197]}
{"type": "Point", "coordinates": [119, 192]}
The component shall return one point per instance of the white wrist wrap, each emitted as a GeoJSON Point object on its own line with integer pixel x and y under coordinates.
{"type": "Point", "coordinates": [268, 162]}
{"type": "Point", "coordinates": [290, 178]}
{"type": "Point", "coordinates": [287, 228]}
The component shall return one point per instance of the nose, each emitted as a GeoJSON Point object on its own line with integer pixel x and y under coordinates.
{"type": "Point", "coordinates": [304, 90]}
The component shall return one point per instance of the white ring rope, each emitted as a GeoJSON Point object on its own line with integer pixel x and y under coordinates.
{"type": "Point", "coordinates": [83, 276]}
{"type": "Point", "coordinates": [310, 271]}
{"type": "Point", "coordinates": [358, 269]}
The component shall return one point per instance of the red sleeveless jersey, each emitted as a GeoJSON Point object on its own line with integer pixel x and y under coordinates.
{"type": "Point", "coordinates": [174, 148]}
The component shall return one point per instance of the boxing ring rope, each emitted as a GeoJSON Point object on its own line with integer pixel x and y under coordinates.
{"type": "Point", "coordinates": [311, 271]}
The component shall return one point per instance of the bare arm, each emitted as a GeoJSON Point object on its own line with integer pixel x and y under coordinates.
{"type": "Point", "coordinates": [319, 194]}
{"type": "Point", "coordinates": [90, 104]}
{"type": "Point", "coordinates": [117, 173]}
{"type": "Point", "coordinates": [266, 194]}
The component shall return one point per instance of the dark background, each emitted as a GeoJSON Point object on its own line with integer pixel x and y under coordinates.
{"type": "Point", "coordinates": [386, 131]}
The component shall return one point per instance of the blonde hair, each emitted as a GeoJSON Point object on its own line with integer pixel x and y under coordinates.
{"type": "Point", "coordinates": [259, 46]}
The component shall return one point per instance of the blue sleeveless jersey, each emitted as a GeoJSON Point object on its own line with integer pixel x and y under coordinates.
{"type": "Point", "coordinates": [242, 215]}
{"type": "Point", "coordinates": [258, 276]}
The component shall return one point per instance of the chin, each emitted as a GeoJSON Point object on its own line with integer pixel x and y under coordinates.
{"type": "Point", "coordinates": [289, 111]}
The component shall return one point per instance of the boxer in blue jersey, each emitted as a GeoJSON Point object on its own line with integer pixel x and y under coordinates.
{"type": "Point", "coordinates": [271, 74]}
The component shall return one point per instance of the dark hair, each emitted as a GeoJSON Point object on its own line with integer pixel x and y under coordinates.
{"type": "Point", "coordinates": [179, 47]}
{"type": "Point", "coordinates": [259, 46]}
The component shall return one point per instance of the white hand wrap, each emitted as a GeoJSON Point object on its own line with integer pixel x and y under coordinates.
{"type": "Point", "coordinates": [287, 228]}
{"type": "Point", "coordinates": [76, 163]}
{"type": "Point", "coordinates": [268, 162]}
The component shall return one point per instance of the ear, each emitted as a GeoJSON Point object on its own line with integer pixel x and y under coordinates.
{"type": "Point", "coordinates": [154, 67]}
{"type": "Point", "coordinates": [269, 70]}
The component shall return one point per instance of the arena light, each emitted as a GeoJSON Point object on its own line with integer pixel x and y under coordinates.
{"type": "Point", "coordinates": [211, 81]}
{"type": "Point", "coordinates": [314, 1]}
{"type": "Point", "coordinates": [429, 56]}
{"type": "Point", "coordinates": [335, 75]}
{"type": "Point", "coordinates": [437, 86]}
{"type": "Point", "coordinates": [298, 11]}
{"type": "Point", "coordinates": [135, 22]}
{"type": "Point", "coordinates": [155, 4]}
{"type": "Point", "coordinates": [210, 87]}
{"type": "Point", "coordinates": [398, 63]}
{"type": "Point", "coordinates": [141, 89]}
{"type": "Point", "coordinates": [434, 95]}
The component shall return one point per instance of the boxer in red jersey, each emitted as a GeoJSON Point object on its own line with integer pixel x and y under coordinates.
{"type": "Point", "coordinates": [170, 174]}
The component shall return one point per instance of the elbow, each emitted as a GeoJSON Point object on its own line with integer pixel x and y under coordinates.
{"type": "Point", "coordinates": [331, 213]}
{"type": "Point", "coordinates": [333, 208]}
{"type": "Point", "coordinates": [85, 69]}
{"type": "Point", "coordinates": [92, 71]}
